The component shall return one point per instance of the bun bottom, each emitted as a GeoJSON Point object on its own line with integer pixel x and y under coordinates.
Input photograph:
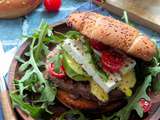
{"type": "Point", "coordinates": [82, 104]}
{"type": "Point", "coordinates": [69, 101]}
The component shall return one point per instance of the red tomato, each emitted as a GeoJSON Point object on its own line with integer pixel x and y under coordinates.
{"type": "Point", "coordinates": [111, 61]}
{"type": "Point", "coordinates": [146, 105]}
{"type": "Point", "coordinates": [98, 45]}
{"type": "Point", "coordinates": [52, 5]}
{"type": "Point", "coordinates": [55, 74]}
{"type": "Point", "coordinates": [99, 0]}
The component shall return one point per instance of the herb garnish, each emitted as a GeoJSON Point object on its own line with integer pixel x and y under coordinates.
{"type": "Point", "coordinates": [72, 114]}
{"type": "Point", "coordinates": [154, 70]}
{"type": "Point", "coordinates": [133, 103]}
{"type": "Point", "coordinates": [33, 77]}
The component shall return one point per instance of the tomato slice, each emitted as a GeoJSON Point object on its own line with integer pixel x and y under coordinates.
{"type": "Point", "coordinates": [146, 105]}
{"type": "Point", "coordinates": [54, 74]}
{"type": "Point", "coordinates": [98, 45]}
{"type": "Point", "coordinates": [111, 61]}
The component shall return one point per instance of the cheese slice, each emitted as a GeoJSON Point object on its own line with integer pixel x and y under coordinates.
{"type": "Point", "coordinates": [75, 48]}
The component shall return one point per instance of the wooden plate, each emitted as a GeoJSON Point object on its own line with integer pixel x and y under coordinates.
{"type": "Point", "coordinates": [62, 27]}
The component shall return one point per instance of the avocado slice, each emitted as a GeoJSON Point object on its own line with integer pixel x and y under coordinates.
{"type": "Point", "coordinates": [128, 81]}
{"type": "Point", "coordinates": [73, 69]}
{"type": "Point", "coordinates": [97, 91]}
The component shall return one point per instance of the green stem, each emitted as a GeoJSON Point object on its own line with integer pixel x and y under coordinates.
{"type": "Point", "coordinates": [125, 17]}
{"type": "Point", "coordinates": [40, 41]}
{"type": "Point", "coordinates": [36, 69]}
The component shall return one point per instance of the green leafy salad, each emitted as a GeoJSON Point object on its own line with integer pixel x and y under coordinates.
{"type": "Point", "coordinates": [65, 76]}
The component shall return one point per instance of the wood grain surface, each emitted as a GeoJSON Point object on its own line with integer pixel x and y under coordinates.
{"type": "Point", "coordinates": [145, 12]}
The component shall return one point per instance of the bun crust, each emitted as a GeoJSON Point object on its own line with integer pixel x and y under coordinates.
{"type": "Point", "coordinates": [142, 48]}
{"type": "Point", "coordinates": [65, 98]}
{"type": "Point", "coordinates": [17, 8]}
{"type": "Point", "coordinates": [83, 104]}
{"type": "Point", "coordinates": [113, 33]}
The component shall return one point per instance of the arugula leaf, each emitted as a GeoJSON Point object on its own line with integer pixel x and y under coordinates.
{"type": "Point", "coordinates": [24, 66]}
{"type": "Point", "coordinates": [154, 69]}
{"type": "Point", "coordinates": [46, 49]}
{"type": "Point", "coordinates": [57, 38]}
{"type": "Point", "coordinates": [133, 103]}
{"type": "Point", "coordinates": [71, 114]}
{"type": "Point", "coordinates": [39, 46]}
{"type": "Point", "coordinates": [19, 59]}
{"type": "Point", "coordinates": [33, 79]}
{"type": "Point", "coordinates": [20, 83]}
{"type": "Point", "coordinates": [34, 111]}
{"type": "Point", "coordinates": [27, 54]}
{"type": "Point", "coordinates": [72, 35]}
{"type": "Point", "coordinates": [57, 62]}
{"type": "Point", "coordinates": [156, 83]}
{"type": "Point", "coordinates": [48, 92]}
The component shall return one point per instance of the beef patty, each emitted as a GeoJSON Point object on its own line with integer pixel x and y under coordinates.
{"type": "Point", "coordinates": [77, 95]}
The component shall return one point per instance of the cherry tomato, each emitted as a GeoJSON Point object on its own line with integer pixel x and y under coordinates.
{"type": "Point", "coordinates": [146, 105]}
{"type": "Point", "coordinates": [111, 61]}
{"type": "Point", "coordinates": [99, 0]}
{"type": "Point", "coordinates": [55, 74]}
{"type": "Point", "coordinates": [97, 45]}
{"type": "Point", "coordinates": [52, 5]}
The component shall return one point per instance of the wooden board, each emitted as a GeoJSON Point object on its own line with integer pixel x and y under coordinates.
{"type": "Point", "coordinates": [145, 12]}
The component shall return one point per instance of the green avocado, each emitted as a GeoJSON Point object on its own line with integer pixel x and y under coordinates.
{"type": "Point", "coordinates": [73, 69]}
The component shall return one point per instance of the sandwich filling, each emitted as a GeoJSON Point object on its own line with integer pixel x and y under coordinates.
{"type": "Point", "coordinates": [90, 71]}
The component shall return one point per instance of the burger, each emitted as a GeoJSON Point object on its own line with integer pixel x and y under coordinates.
{"type": "Point", "coordinates": [95, 70]}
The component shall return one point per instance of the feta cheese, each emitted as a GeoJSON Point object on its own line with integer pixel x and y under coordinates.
{"type": "Point", "coordinates": [76, 50]}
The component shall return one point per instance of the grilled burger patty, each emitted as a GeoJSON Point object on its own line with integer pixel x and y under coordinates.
{"type": "Point", "coordinates": [81, 90]}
